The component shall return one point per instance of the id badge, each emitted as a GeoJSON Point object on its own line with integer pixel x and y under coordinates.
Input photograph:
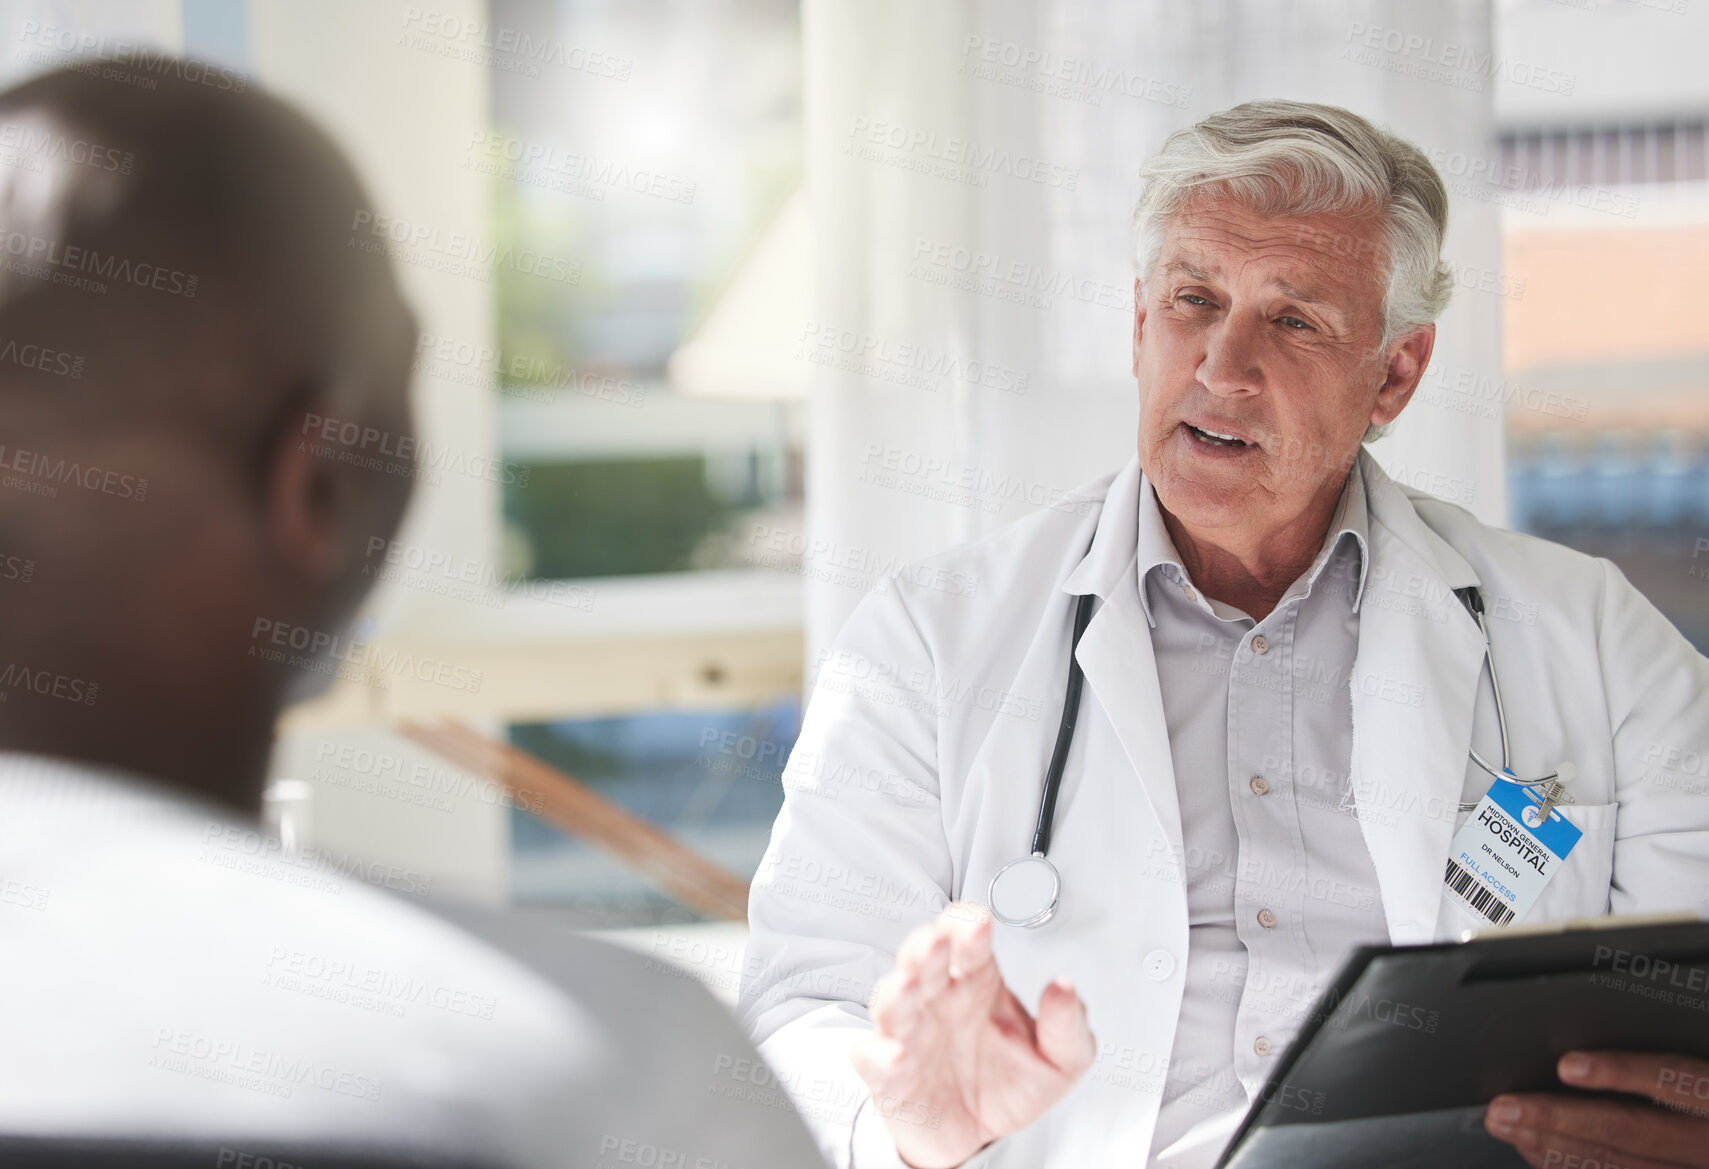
{"type": "Point", "coordinates": [1503, 857]}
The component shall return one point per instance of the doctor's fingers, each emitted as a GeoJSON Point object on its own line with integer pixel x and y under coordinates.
{"type": "Point", "coordinates": [897, 1004]}
{"type": "Point", "coordinates": [1673, 1081]}
{"type": "Point", "coordinates": [1629, 1136]}
{"type": "Point", "coordinates": [969, 929]}
{"type": "Point", "coordinates": [925, 955]}
{"type": "Point", "coordinates": [877, 1059]}
{"type": "Point", "coordinates": [1064, 1035]}
{"type": "Point", "coordinates": [915, 992]}
{"type": "Point", "coordinates": [1548, 1150]}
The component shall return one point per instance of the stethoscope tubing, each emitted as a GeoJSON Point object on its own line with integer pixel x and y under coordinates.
{"type": "Point", "coordinates": [1473, 600]}
{"type": "Point", "coordinates": [1469, 596]}
{"type": "Point", "coordinates": [1064, 731]}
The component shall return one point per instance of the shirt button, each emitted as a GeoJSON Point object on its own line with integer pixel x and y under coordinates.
{"type": "Point", "coordinates": [1260, 644]}
{"type": "Point", "coordinates": [1159, 965]}
{"type": "Point", "coordinates": [1259, 786]}
{"type": "Point", "coordinates": [1191, 595]}
{"type": "Point", "coordinates": [1266, 919]}
{"type": "Point", "coordinates": [1261, 1045]}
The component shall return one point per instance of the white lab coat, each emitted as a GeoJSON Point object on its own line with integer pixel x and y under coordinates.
{"type": "Point", "coordinates": [918, 771]}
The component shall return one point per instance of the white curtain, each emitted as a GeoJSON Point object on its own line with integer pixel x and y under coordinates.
{"type": "Point", "coordinates": [971, 166]}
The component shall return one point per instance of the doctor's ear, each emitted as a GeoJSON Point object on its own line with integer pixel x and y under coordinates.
{"type": "Point", "coordinates": [1138, 321]}
{"type": "Point", "coordinates": [1406, 361]}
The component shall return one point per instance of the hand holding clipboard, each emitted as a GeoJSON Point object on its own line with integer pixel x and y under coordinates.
{"type": "Point", "coordinates": [1410, 1055]}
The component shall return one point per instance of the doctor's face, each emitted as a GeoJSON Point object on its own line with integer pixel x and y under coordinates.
{"type": "Point", "coordinates": [1255, 346]}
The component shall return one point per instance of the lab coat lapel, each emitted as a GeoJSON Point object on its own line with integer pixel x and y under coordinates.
{"type": "Point", "coordinates": [1414, 687]}
{"type": "Point", "coordinates": [1116, 655]}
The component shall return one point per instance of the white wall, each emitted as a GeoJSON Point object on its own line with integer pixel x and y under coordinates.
{"type": "Point", "coordinates": [405, 115]}
{"type": "Point", "coordinates": [877, 218]}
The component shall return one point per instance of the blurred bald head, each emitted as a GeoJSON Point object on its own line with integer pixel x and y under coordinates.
{"type": "Point", "coordinates": [182, 287]}
{"type": "Point", "coordinates": [179, 238]}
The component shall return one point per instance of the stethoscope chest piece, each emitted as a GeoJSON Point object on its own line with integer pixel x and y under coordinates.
{"type": "Point", "coordinates": [1024, 891]}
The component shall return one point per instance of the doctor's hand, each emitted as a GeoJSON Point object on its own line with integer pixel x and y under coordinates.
{"type": "Point", "coordinates": [955, 1060]}
{"type": "Point", "coordinates": [1566, 1132]}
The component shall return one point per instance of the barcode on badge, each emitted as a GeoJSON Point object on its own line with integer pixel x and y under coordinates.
{"type": "Point", "coordinates": [1465, 886]}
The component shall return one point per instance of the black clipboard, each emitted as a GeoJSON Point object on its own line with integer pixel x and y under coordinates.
{"type": "Point", "coordinates": [1399, 1056]}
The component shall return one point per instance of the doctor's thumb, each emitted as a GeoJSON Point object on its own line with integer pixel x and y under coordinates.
{"type": "Point", "coordinates": [1064, 1038]}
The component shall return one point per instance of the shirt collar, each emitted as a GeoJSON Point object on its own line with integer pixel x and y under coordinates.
{"type": "Point", "coordinates": [1351, 519]}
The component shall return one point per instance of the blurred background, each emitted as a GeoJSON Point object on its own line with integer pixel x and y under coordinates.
{"type": "Point", "coordinates": [733, 307]}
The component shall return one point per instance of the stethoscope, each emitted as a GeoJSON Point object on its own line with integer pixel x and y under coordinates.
{"type": "Point", "coordinates": [1474, 603]}
{"type": "Point", "coordinates": [1025, 892]}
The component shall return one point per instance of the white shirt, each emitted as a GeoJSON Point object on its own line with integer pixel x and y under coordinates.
{"type": "Point", "coordinates": [1279, 881]}
{"type": "Point", "coordinates": [167, 972]}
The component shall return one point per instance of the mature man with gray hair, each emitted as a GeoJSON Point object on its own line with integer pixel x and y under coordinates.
{"type": "Point", "coordinates": [1285, 719]}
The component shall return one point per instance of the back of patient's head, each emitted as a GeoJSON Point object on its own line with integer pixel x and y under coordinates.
{"type": "Point", "coordinates": [181, 290]}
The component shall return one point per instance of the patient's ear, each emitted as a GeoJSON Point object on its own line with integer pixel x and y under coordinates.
{"type": "Point", "coordinates": [307, 501]}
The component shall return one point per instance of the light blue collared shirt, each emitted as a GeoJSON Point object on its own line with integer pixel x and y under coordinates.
{"type": "Point", "coordinates": [1279, 881]}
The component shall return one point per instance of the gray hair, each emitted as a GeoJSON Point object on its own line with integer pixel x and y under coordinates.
{"type": "Point", "coordinates": [1301, 158]}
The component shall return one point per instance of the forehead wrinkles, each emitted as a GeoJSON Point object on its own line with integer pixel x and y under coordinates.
{"type": "Point", "coordinates": [1259, 251]}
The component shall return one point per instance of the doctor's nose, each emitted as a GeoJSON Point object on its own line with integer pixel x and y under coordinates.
{"type": "Point", "coordinates": [1229, 367]}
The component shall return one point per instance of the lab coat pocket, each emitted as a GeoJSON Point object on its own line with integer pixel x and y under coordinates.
{"type": "Point", "coordinates": [1580, 886]}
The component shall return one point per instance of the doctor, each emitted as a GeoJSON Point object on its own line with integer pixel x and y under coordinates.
{"type": "Point", "coordinates": [1270, 753]}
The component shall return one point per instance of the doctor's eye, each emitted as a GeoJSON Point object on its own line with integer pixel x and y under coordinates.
{"type": "Point", "coordinates": [1194, 299]}
{"type": "Point", "coordinates": [1294, 323]}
